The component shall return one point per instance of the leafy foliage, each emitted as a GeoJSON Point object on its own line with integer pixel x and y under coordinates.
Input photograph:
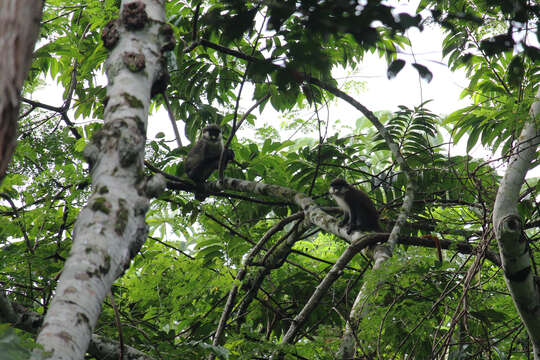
{"type": "Point", "coordinates": [13, 345]}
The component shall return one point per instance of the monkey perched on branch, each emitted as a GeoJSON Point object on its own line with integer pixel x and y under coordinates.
{"type": "Point", "coordinates": [358, 209]}
{"type": "Point", "coordinates": [204, 156]}
{"type": "Point", "coordinates": [360, 212]}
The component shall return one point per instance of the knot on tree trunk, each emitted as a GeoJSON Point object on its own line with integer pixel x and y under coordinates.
{"type": "Point", "coordinates": [510, 224]}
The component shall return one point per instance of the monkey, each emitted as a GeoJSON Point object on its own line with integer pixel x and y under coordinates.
{"type": "Point", "coordinates": [204, 156]}
{"type": "Point", "coordinates": [358, 209]}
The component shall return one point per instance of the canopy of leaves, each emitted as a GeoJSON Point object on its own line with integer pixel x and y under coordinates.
{"type": "Point", "coordinates": [232, 53]}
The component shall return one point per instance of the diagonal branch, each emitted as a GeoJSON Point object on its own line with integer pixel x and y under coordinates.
{"type": "Point", "coordinates": [111, 228]}
{"type": "Point", "coordinates": [356, 246]}
{"type": "Point", "coordinates": [62, 110]}
{"type": "Point", "coordinates": [242, 273]}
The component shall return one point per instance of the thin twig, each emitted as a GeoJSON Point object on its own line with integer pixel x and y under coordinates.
{"type": "Point", "coordinates": [119, 326]}
{"type": "Point", "coordinates": [171, 117]}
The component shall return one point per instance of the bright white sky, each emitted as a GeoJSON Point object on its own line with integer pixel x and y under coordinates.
{"type": "Point", "coordinates": [407, 88]}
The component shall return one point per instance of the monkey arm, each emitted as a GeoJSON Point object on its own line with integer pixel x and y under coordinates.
{"type": "Point", "coordinates": [345, 218]}
{"type": "Point", "coordinates": [229, 155]}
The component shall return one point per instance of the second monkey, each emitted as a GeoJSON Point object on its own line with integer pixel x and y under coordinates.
{"type": "Point", "coordinates": [359, 211]}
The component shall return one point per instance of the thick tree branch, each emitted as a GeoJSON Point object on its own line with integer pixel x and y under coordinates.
{"type": "Point", "coordinates": [513, 245]}
{"type": "Point", "coordinates": [313, 212]}
{"type": "Point", "coordinates": [111, 228]}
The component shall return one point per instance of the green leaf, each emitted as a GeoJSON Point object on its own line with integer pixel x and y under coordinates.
{"type": "Point", "coordinates": [473, 138]}
{"type": "Point", "coordinates": [423, 72]}
{"type": "Point", "coordinates": [515, 72]}
{"type": "Point", "coordinates": [394, 68]}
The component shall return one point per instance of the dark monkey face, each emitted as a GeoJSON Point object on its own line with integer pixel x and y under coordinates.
{"type": "Point", "coordinates": [338, 188]}
{"type": "Point", "coordinates": [212, 133]}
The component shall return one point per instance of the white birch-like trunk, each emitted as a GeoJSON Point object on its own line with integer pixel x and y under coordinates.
{"type": "Point", "coordinates": [513, 246]}
{"type": "Point", "coordinates": [111, 228]}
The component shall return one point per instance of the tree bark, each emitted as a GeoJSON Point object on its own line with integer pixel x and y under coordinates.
{"type": "Point", "coordinates": [360, 307]}
{"type": "Point", "coordinates": [19, 28]}
{"type": "Point", "coordinates": [111, 228]}
{"type": "Point", "coordinates": [513, 245]}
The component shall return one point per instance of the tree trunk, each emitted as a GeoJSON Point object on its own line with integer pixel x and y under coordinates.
{"type": "Point", "coordinates": [513, 245]}
{"type": "Point", "coordinates": [19, 28]}
{"type": "Point", "coordinates": [111, 228]}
